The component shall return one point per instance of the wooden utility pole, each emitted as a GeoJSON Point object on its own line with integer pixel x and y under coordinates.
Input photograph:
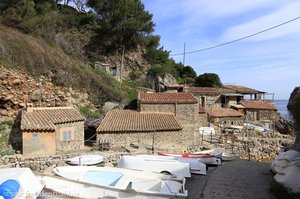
{"type": "Point", "coordinates": [122, 63]}
{"type": "Point", "coordinates": [183, 54]}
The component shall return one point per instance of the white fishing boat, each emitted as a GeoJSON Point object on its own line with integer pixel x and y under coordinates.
{"type": "Point", "coordinates": [217, 153]}
{"type": "Point", "coordinates": [168, 166]}
{"type": "Point", "coordinates": [228, 156]}
{"type": "Point", "coordinates": [110, 182]}
{"type": "Point", "coordinates": [85, 160]}
{"type": "Point", "coordinates": [19, 183]}
{"type": "Point", "coordinates": [209, 160]}
{"type": "Point", "coordinates": [214, 152]}
{"type": "Point", "coordinates": [196, 166]}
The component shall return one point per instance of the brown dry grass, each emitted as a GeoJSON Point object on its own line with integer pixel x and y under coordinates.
{"type": "Point", "coordinates": [35, 56]}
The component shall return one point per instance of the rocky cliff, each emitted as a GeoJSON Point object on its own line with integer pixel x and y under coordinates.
{"type": "Point", "coordinates": [294, 107]}
{"type": "Point", "coordinates": [19, 90]}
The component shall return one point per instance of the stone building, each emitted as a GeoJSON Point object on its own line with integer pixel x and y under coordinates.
{"type": "Point", "coordinates": [184, 106]}
{"type": "Point", "coordinates": [171, 119]}
{"type": "Point", "coordinates": [245, 91]}
{"type": "Point", "coordinates": [258, 110]}
{"type": "Point", "coordinates": [225, 116]}
{"type": "Point", "coordinates": [48, 131]}
{"type": "Point", "coordinates": [152, 129]}
{"type": "Point", "coordinates": [227, 105]}
{"type": "Point", "coordinates": [214, 97]}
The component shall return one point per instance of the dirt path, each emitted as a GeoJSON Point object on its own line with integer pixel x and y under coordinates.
{"type": "Point", "coordinates": [233, 180]}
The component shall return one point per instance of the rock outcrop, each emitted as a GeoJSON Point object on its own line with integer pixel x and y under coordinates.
{"type": "Point", "coordinates": [294, 107]}
{"type": "Point", "coordinates": [284, 126]}
{"type": "Point", "coordinates": [19, 90]}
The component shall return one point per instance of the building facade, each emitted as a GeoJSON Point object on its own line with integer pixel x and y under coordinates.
{"type": "Point", "coordinates": [49, 131]}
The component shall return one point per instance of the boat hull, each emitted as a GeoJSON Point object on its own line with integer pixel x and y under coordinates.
{"type": "Point", "coordinates": [209, 160]}
{"type": "Point", "coordinates": [196, 166]}
{"type": "Point", "coordinates": [125, 183]}
{"type": "Point", "coordinates": [70, 188]}
{"type": "Point", "coordinates": [85, 160]}
{"type": "Point", "coordinates": [170, 166]}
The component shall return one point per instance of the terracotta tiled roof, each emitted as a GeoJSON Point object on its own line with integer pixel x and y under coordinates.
{"type": "Point", "coordinates": [207, 90]}
{"type": "Point", "coordinates": [257, 104]}
{"type": "Point", "coordinates": [133, 121]}
{"type": "Point", "coordinates": [224, 112]}
{"type": "Point", "coordinates": [156, 98]}
{"type": "Point", "coordinates": [242, 89]}
{"type": "Point", "coordinates": [46, 118]}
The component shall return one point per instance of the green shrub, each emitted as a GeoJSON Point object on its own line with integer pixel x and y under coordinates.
{"type": "Point", "coordinates": [8, 151]}
{"type": "Point", "coordinates": [87, 112]}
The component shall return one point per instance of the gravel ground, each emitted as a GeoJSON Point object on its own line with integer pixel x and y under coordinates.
{"type": "Point", "coordinates": [238, 179]}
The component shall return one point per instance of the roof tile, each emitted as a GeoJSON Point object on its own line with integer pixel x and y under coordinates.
{"type": "Point", "coordinates": [133, 121]}
{"type": "Point", "coordinates": [183, 98]}
{"type": "Point", "coordinates": [224, 112]}
{"type": "Point", "coordinates": [242, 89]}
{"type": "Point", "coordinates": [257, 104]}
{"type": "Point", "coordinates": [46, 118]}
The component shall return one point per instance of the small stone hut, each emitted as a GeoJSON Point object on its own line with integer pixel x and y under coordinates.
{"type": "Point", "coordinates": [47, 131]}
{"type": "Point", "coordinates": [259, 110]}
{"type": "Point", "coordinates": [225, 116]}
{"type": "Point", "coordinates": [125, 127]}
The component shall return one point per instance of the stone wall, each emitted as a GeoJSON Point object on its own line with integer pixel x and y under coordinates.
{"type": "Point", "coordinates": [209, 101]}
{"type": "Point", "coordinates": [262, 146]}
{"type": "Point", "coordinates": [254, 115]}
{"type": "Point", "coordinates": [226, 121]}
{"type": "Point", "coordinates": [78, 140]}
{"type": "Point", "coordinates": [179, 140]}
{"type": "Point", "coordinates": [47, 163]}
{"type": "Point", "coordinates": [166, 108]}
{"type": "Point", "coordinates": [250, 144]}
{"type": "Point", "coordinates": [185, 113]}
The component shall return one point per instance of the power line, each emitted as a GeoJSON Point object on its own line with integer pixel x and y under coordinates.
{"type": "Point", "coordinates": [236, 40]}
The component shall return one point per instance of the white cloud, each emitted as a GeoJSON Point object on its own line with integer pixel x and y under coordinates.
{"type": "Point", "coordinates": [284, 14]}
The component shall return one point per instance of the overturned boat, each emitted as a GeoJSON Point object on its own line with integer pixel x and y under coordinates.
{"type": "Point", "coordinates": [85, 160]}
{"type": "Point", "coordinates": [120, 183]}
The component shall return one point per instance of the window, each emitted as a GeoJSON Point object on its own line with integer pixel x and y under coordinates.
{"type": "Point", "coordinates": [67, 135]}
{"type": "Point", "coordinates": [34, 135]}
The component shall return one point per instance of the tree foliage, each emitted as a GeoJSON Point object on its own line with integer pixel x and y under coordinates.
{"type": "Point", "coordinates": [208, 80]}
{"type": "Point", "coordinates": [111, 25]}
{"type": "Point", "coordinates": [124, 21]}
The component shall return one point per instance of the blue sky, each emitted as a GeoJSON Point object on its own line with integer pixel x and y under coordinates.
{"type": "Point", "coordinates": [268, 62]}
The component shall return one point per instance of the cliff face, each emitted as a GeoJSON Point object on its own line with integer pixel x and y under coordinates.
{"type": "Point", "coordinates": [19, 90]}
{"type": "Point", "coordinates": [294, 107]}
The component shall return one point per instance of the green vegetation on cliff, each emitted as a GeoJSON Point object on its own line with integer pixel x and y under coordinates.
{"type": "Point", "coordinates": [54, 39]}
